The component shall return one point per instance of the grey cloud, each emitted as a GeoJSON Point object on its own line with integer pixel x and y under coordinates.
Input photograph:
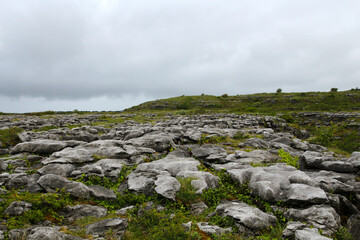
{"type": "Point", "coordinates": [62, 50]}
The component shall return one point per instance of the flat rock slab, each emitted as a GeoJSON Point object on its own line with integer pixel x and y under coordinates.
{"type": "Point", "coordinates": [280, 183]}
{"type": "Point", "coordinates": [157, 141]}
{"type": "Point", "coordinates": [73, 213]}
{"type": "Point", "coordinates": [52, 183]}
{"type": "Point", "coordinates": [249, 218]}
{"type": "Point", "coordinates": [40, 146]}
{"type": "Point", "coordinates": [167, 186]}
{"type": "Point", "coordinates": [213, 229]}
{"type": "Point", "coordinates": [201, 180]}
{"type": "Point", "coordinates": [301, 193]}
{"type": "Point", "coordinates": [116, 225]}
{"type": "Point", "coordinates": [171, 164]}
{"type": "Point", "coordinates": [64, 170]}
{"type": "Point", "coordinates": [309, 234]}
{"type": "Point", "coordinates": [49, 233]}
{"type": "Point", "coordinates": [17, 208]}
{"type": "Point", "coordinates": [320, 216]}
{"type": "Point", "coordinates": [102, 193]}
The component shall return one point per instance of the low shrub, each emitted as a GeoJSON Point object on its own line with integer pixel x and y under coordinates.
{"type": "Point", "coordinates": [9, 137]}
{"type": "Point", "coordinates": [288, 159]}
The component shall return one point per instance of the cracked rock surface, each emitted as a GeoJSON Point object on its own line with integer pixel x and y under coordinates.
{"type": "Point", "coordinates": [153, 159]}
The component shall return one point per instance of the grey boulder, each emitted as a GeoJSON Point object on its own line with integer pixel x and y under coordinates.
{"type": "Point", "coordinates": [73, 213]}
{"type": "Point", "coordinates": [320, 216]}
{"type": "Point", "coordinates": [167, 186]}
{"type": "Point", "coordinates": [171, 164]}
{"type": "Point", "coordinates": [17, 208]}
{"type": "Point", "coordinates": [213, 229]}
{"type": "Point", "coordinates": [116, 225]}
{"type": "Point", "coordinates": [248, 218]}
{"type": "Point", "coordinates": [42, 146]}
{"type": "Point", "coordinates": [309, 234]}
{"type": "Point", "coordinates": [102, 193]}
{"type": "Point", "coordinates": [53, 183]}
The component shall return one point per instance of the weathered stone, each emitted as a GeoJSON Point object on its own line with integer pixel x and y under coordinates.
{"type": "Point", "coordinates": [17, 208]}
{"type": "Point", "coordinates": [116, 225]}
{"type": "Point", "coordinates": [256, 155]}
{"type": "Point", "coordinates": [213, 229]}
{"type": "Point", "coordinates": [171, 164]}
{"type": "Point", "coordinates": [251, 218]}
{"type": "Point", "coordinates": [3, 166]}
{"type": "Point", "coordinates": [64, 170]}
{"type": "Point", "coordinates": [320, 216]}
{"type": "Point", "coordinates": [125, 210]}
{"type": "Point", "coordinates": [198, 208]}
{"type": "Point", "coordinates": [342, 205]}
{"type": "Point", "coordinates": [100, 192]}
{"type": "Point", "coordinates": [49, 233]}
{"type": "Point", "coordinates": [158, 141]}
{"type": "Point", "coordinates": [309, 234]}
{"type": "Point", "coordinates": [291, 227]}
{"type": "Point", "coordinates": [206, 151]}
{"type": "Point", "coordinates": [167, 186]}
{"type": "Point", "coordinates": [353, 225]}
{"type": "Point", "coordinates": [186, 226]}
{"type": "Point", "coordinates": [255, 143]}
{"type": "Point", "coordinates": [334, 183]}
{"type": "Point", "coordinates": [338, 166]}
{"type": "Point", "coordinates": [72, 213]}
{"type": "Point", "coordinates": [355, 160]}
{"type": "Point", "coordinates": [40, 146]}
{"type": "Point", "coordinates": [301, 193]}
{"type": "Point", "coordinates": [70, 155]}
{"type": "Point", "coordinates": [23, 182]}
{"type": "Point", "coordinates": [201, 181]}
{"type": "Point", "coordinates": [142, 182]}
{"type": "Point", "coordinates": [314, 160]}
{"type": "Point", "coordinates": [268, 186]}
{"type": "Point", "coordinates": [52, 183]}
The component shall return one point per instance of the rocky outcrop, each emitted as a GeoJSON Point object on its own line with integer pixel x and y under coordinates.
{"type": "Point", "coordinates": [249, 219]}
{"type": "Point", "coordinates": [321, 217]}
{"type": "Point", "coordinates": [120, 163]}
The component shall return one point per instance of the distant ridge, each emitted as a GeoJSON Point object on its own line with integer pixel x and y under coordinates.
{"type": "Point", "coordinates": [266, 103]}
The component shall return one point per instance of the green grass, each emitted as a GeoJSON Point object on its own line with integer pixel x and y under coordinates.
{"type": "Point", "coordinates": [9, 137]}
{"type": "Point", "coordinates": [266, 103]}
{"type": "Point", "coordinates": [288, 159]}
{"type": "Point", "coordinates": [44, 207]}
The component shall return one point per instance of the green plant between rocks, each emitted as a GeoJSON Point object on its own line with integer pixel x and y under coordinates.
{"type": "Point", "coordinates": [9, 137]}
{"type": "Point", "coordinates": [45, 206]}
{"type": "Point", "coordinates": [288, 159]}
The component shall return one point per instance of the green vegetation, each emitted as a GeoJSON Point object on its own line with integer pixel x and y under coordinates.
{"type": "Point", "coordinates": [187, 194]}
{"type": "Point", "coordinates": [337, 136]}
{"type": "Point", "coordinates": [288, 159]}
{"type": "Point", "coordinates": [9, 137]}
{"type": "Point", "coordinates": [106, 182]}
{"type": "Point", "coordinates": [44, 207]}
{"type": "Point", "coordinates": [264, 103]}
{"type": "Point", "coordinates": [342, 234]}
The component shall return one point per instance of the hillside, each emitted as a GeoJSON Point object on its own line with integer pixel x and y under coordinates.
{"type": "Point", "coordinates": [266, 103]}
{"type": "Point", "coordinates": [332, 118]}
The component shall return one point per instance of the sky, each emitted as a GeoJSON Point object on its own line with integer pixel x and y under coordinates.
{"type": "Point", "coordinates": [108, 55]}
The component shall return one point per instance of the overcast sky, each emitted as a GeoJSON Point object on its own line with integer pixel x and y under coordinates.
{"type": "Point", "coordinates": [113, 54]}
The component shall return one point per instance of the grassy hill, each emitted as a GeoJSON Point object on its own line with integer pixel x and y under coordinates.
{"type": "Point", "coordinates": [265, 103]}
